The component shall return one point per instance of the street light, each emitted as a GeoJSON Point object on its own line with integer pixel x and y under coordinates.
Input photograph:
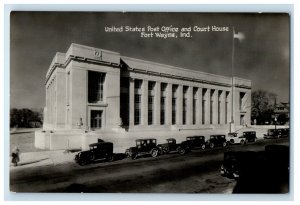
{"type": "Point", "coordinates": [240, 36]}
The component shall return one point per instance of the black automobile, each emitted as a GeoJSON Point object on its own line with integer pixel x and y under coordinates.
{"type": "Point", "coordinates": [143, 147]}
{"type": "Point", "coordinates": [234, 161]}
{"type": "Point", "coordinates": [217, 140]}
{"type": "Point", "coordinates": [193, 142]}
{"type": "Point", "coordinates": [98, 151]}
{"type": "Point", "coordinates": [277, 133]}
{"type": "Point", "coordinates": [259, 171]}
{"type": "Point", "coordinates": [248, 136]}
{"type": "Point", "coordinates": [170, 146]}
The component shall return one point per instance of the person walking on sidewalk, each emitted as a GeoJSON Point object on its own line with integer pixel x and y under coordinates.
{"type": "Point", "coordinates": [15, 156]}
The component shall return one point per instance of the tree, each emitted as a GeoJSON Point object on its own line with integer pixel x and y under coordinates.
{"type": "Point", "coordinates": [262, 109]}
{"type": "Point", "coordinates": [23, 117]}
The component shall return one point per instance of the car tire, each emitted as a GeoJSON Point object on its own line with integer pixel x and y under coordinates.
{"type": "Point", "coordinates": [182, 151]}
{"type": "Point", "coordinates": [134, 155]}
{"type": "Point", "coordinates": [83, 162]}
{"type": "Point", "coordinates": [154, 152]}
{"type": "Point", "coordinates": [231, 141]}
{"type": "Point", "coordinates": [166, 150]}
{"type": "Point", "coordinates": [203, 146]}
{"type": "Point", "coordinates": [211, 145]}
{"type": "Point", "coordinates": [110, 158]}
{"type": "Point", "coordinates": [242, 142]}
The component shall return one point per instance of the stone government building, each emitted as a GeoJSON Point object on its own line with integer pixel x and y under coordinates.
{"type": "Point", "coordinates": [90, 91]}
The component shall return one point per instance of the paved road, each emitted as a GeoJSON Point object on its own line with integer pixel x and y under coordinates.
{"type": "Point", "coordinates": [196, 172]}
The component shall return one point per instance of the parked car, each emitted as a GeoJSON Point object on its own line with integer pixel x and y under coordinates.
{"type": "Point", "coordinates": [193, 142]}
{"type": "Point", "coordinates": [143, 147]}
{"type": "Point", "coordinates": [248, 136]}
{"type": "Point", "coordinates": [217, 140]}
{"type": "Point", "coordinates": [277, 133]}
{"type": "Point", "coordinates": [170, 146]}
{"type": "Point", "coordinates": [234, 161]}
{"type": "Point", "coordinates": [97, 151]}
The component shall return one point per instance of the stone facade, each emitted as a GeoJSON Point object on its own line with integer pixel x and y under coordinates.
{"type": "Point", "coordinates": [95, 90]}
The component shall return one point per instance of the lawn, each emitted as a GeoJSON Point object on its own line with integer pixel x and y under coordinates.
{"type": "Point", "coordinates": [23, 139]}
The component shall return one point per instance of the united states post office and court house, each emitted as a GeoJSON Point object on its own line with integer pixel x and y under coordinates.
{"type": "Point", "coordinates": [91, 90]}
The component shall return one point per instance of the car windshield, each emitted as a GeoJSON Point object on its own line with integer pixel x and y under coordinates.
{"type": "Point", "coordinates": [232, 134]}
{"type": "Point", "coordinates": [138, 142]}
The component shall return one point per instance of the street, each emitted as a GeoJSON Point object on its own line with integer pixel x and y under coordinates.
{"type": "Point", "coordinates": [195, 172]}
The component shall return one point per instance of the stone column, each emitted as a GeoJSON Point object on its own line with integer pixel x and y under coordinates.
{"type": "Point", "coordinates": [157, 103]}
{"type": "Point", "coordinates": [131, 102]}
{"type": "Point", "coordinates": [215, 107]}
{"type": "Point", "coordinates": [169, 104]}
{"type": "Point", "coordinates": [207, 107]}
{"type": "Point", "coordinates": [199, 107]}
{"type": "Point", "coordinates": [144, 106]}
{"type": "Point", "coordinates": [190, 98]}
{"type": "Point", "coordinates": [179, 105]}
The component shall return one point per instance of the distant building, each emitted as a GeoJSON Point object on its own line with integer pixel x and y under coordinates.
{"type": "Point", "coordinates": [282, 111]}
{"type": "Point", "coordinates": [91, 90]}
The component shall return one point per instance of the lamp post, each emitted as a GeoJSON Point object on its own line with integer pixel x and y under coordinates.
{"type": "Point", "coordinates": [239, 36]}
{"type": "Point", "coordinates": [231, 128]}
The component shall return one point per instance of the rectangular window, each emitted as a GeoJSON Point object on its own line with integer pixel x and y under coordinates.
{"type": "Point", "coordinates": [211, 106]}
{"type": "Point", "coordinates": [150, 110]}
{"type": "Point", "coordinates": [137, 101]}
{"type": "Point", "coordinates": [203, 105]}
{"type": "Point", "coordinates": [95, 86]}
{"type": "Point", "coordinates": [242, 95]}
{"type": "Point", "coordinates": [184, 111]}
{"type": "Point", "coordinates": [226, 107]}
{"type": "Point", "coordinates": [124, 99]}
{"type": "Point", "coordinates": [137, 109]}
{"type": "Point", "coordinates": [163, 89]}
{"type": "Point", "coordinates": [195, 90]}
{"type": "Point", "coordinates": [184, 102]}
{"type": "Point", "coordinates": [162, 110]}
{"type": "Point", "coordinates": [219, 106]}
{"type": "Point", "coordinates": [96, 119]}
{"type": "Point", "coordinates": [174, 102]}
{"type": "Point", "coordinates": [151, 86]}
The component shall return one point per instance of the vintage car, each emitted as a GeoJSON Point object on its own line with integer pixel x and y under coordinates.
{"type": "Point", "coordinates": [193, 142]}
{"type": "Point", "coordinates": [217, 140]}
{"type": "Point", "coordinates": [248, 136]}
{"type": "Point", "coordinates": [170, 146]}
{"type": "Point", "coordinates": [143, 147]}
{"type": "Point", "coordinates": [97, 151]}
{"type": "Point", "coordinates": [277, 133]}
{"type": "Point", "coordinates": [235, 161]}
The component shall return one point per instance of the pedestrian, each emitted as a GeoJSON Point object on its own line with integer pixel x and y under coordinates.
{"type": "Point", "coordinates": [15, 156]}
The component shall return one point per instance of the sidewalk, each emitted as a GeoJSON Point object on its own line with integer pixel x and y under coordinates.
{"type": "Point", "coordinates": [43, 158]}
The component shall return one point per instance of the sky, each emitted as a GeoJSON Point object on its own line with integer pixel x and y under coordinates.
{"type": "Point", "coordinates": [263, 56]}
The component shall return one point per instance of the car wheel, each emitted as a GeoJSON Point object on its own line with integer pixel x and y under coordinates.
{"type": "Point", "coordinates": [181, 151]}
{"type": "Point", "coordinates": [134, 155]}
{"type": "Point", "coordinates": [224, 144]}
{"type": "Point", "coordinates": [211, 145]}
{"type": "Point", "coordinates": [154, 152]}
{"type": "Point", "coordinates": [110, 158]}
{"type": "Point", "coordinates": [203, 146]}
{"type": "Point", "coordinates": [242, 142]}
{"type": "Point", "coordinates": [232, 141]}
{"type": "Point", "coordinates": [83, 162]}
{"type": "Point", "coordinates": [166, 149]}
